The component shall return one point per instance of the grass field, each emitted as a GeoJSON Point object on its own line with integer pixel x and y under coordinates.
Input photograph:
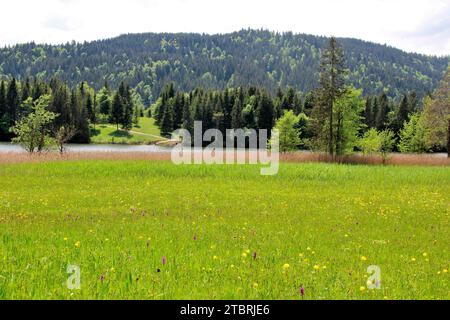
{"type": "Point", "coordinates": [224, 232]}
{"type": "Point", "coordinates": [145, 133]}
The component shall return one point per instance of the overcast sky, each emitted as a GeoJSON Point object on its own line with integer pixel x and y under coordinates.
{"type": "Point", "coordinates": [413, 25]}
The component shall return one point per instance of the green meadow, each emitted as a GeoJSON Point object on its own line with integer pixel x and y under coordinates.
{"type": "Point", "coordinates": [153, 230]}
{"type": "Point", "coordinates": [146, 132]}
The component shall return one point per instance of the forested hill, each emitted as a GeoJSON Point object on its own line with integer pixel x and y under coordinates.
{"type": "Point", "coordinates": [248, 57]}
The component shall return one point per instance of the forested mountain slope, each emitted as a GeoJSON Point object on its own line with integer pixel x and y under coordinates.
{"type": "Point", "coordinates": [248, 57]}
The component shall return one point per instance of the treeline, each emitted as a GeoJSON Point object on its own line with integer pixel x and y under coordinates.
{"type": "Point", "coordinates": [76, 108]}
{"type": "Point", "coordinates": [246, 58]}
{"type": "Point", "coordinates": [336, 117]}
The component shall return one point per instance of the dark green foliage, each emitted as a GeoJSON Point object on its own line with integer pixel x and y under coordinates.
{"type": "Point", "coordinates": [265, 118]}
{"type": "Point", "coordinates": [248, 57]}
{"type": "Point", "coordinates": [116, 110]}
{"type": "Point", "coordinates": [331, 87]}
{"type": "Point", "coordinates": [382, 112]}
{"type": "Point", "coordinates": [12, 102]}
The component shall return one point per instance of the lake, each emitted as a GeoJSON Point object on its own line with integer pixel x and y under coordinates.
{"type": "Point", "coordinates": [9, 147]}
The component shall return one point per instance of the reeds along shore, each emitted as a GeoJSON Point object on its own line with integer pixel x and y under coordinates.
{"type": "Point", "coordinates": [294, 157]}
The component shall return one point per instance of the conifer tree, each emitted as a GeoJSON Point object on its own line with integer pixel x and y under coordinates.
{"type": "Point", "coordinates": [12, 102]}
{"type": "Point", "coordinates": [381, 117]}
{"type": "Point", "coordinates": [331, 88]}
{"type": "Point", "coordinates": [116, 110]}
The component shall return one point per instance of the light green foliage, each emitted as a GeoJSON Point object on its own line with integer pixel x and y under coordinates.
{"type": "Point", "coordinates": [387, 138]}
{"type": "Point", "coordinates": [374, 142]}
{"type": "Point", "coordinates": [347, 120]}
{"type": "Point", "coordinates": [412, 136]}
{"type": "Point", "coordinates": [370, 143]}
{"type": "Point", "coordinates": [116, 220]}
{"type": "Point", "coordinates": [146, 132]}
{"type": "Point", "coordinates": [289, 134]}
{"type": "Point", "coordinates": [32, 131]}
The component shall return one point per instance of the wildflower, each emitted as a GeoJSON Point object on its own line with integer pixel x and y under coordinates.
{"type": "Point", "coordinates": [244, 255]}
{"type": "Point", "coordinates": [77, 244]}
{"type": "Point", "coordinates": [413, 259]}
{"type": "Point", "coordinates": [363, 258]}
{"type": "Point", "coordinates": [102, 277]}
{"type": "Point", "coordinates": [112, 270]}
{"type": "Point", "coordinates": [302, 291]}
{"type": "Point", "coordinates": [254, 255]}
{"type": "Point", "coordinates": [316, 267]}
{"type": "Point", "coordinates": [215, 258]}
{"type": "Point", "coordinates": [362, 289]}
{"type": "Point", "coordinates": [65, 239]}
{"type": "Point", "coordinates": [247, 251]}
{"type": "Point", "coordinates": [424, 254]}
{"type": "Point", "coordinates": [255, 285]}
{"type": "Point", "coordinates": [195, 238]}
{"type": "Point", "coordinates": [286, 266]}
{"type": "Point", "coordinates": [164, 260]}
{"type": "Point", "coordinates": [445, 270]}
{"type": "Point", "coordinates": [309, 249]}
{"type": "Point", "coordinates": [232, 266]}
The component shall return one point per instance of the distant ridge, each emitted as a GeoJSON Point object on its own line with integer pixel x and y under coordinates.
{"type": "Point", "coordinates": [147, 61]}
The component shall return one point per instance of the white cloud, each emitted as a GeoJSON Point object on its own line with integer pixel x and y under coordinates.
{"type": "Point", "coordinates": [412, 25]}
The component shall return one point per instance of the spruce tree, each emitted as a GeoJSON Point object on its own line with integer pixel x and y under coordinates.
{"type": "Point", "coordinates": [331, 88]}
{"type": "Point", "coordinates": [381, 117]}
{"type": "Point", "coordinates": [4, 123]}
{"type": "Point", "coordinates": [188, 122]}
{"type": "Point", "coordinates": [167, 122]}
{"type": "Point", "coordinates": [368, 113]}
{"type": "Point", "coordinates": [127, 103]}
{"type": "Point", "coordinates": [265, 113]}
{"type": "Point", "coordinates": [402, 115]}
{"type": "Point", "coordinates": [236, 115]}
{"type": "Point", "coordinates": [12, 102]}
{"type": "Point", "coordinates": [116, 110]}
{"type": "Point", "coordinates": [104, 101]}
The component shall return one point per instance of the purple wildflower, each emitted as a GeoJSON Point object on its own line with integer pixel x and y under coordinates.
{"type": "Point", "coordinates": [164, 260]}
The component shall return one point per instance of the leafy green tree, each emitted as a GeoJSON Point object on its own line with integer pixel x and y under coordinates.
{"type": "Point", "coordinates": [436, 116]}
{"type": "Point", "coordinates": [370, 143]}
{"type": "Point", "coordinates": [347, 120]}
{"type": "Point", "coordinates": [412, 136]}
{"type": "Point", "coordinates": [387, 138]}
{"type": "Point", "coordinates": [62, 135]}
{"type": "Point", "coordinates": [32, 131]}
{"type": "Point", "coordinates": [289, 134]}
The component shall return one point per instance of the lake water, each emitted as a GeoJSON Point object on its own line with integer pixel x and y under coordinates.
{"type": "Point", "coordinates": [9, 147]}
